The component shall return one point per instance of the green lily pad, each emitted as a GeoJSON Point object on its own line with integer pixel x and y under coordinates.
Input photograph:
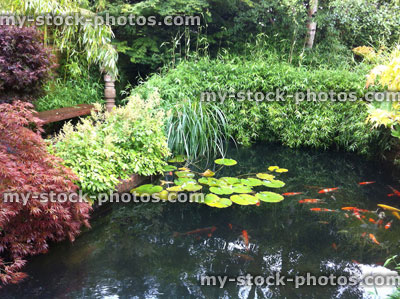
{"type": "Point", "coordinates": [265, 176]}
{"type": "Point", "coordinates": [165, 195]}
{"type": "Point", "coordinates": [221, 190]}
{"type": "Point", "coordinates": [168, 168]}
{"type": "Point", "coordinates": [184, 174]}
{"type": "Point", "coordinates": [272, 168]}
{"type": "Point", "coordinates": [241, 189]}
{"type": "Point", "coordinates": [222, 203]}
{"type": "Point", "coordinates": [191, 187]}
{"type": "Point", "coordinates": [230, 180]}
{"type": "Point", "coordinates": [251, 182]}
{"type": "Point", "coordinates": [149, 189]}
{"type": "Point", "coordinates": [225, 162]}
{"type": "Point", "coordinates": [269, 197]}
{"type": "Point", "coordinates": [175, 189]}
{"type": "Point", "coordinates": [212, 182]}
{"type": "Point", "coordinates": [177, 159]}
{"type": "Point", "coordinates": [197, 197]}
{"type": "Point", "coordinates": [274, 184]}
{"type": "Point", "coordinates": [281, 170]}
{"type": "Point", "coordinates": [211, 199]}
{"type": "Point", "coordinates": [244, 199]}
{"type": "Point", "coordinates": [182, 181]}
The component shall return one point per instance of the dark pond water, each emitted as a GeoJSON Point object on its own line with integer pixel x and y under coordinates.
{"type": "Point", "coordinates": [131, 251]}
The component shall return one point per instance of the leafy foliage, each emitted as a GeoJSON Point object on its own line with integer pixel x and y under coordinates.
{"type": "Point", "coordinates": [112, 146]}
{"type": "Point", "coordinates": [315, 124]}
{"type": "Point", "coordinates": [26, 168]}
{"type": "Point", "coordinates": [25, 63]}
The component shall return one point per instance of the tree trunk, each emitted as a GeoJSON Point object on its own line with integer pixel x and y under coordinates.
{"type": "Point", "coordinates": [311, 24]}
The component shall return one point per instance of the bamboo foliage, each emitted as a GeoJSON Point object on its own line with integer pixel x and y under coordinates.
{"type": "Point", "coordinates": [90, 41]}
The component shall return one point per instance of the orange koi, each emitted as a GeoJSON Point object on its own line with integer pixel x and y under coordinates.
{"type": "Point", "coordinates": [388, 225]}
{"type": "Point", "coordinates": [245, 238]}
{"type": "Point", "coordinates": [244, 257]}
{"type": "Point", "coordinates": [366, 183]}
{"type": "Point", "coordinates": [396, 214]}
{"type": "Point", "coordinates": [321, 210]}
{"type": "Point", "coordinates": [372, 237]}
{"type": "Point", "coordinates": [207, 230]}
{"type": "Point", "coordinates": [334, 246]}
{"type": "Point", "coordinates": [396, 192]}
{"type": "Point", "coordinates": [258, 204]}
{"type": "Point", "coordinates": [372, 220]}
{"type": "Point", "coordinates": [292, 193]}
{"type": "Point", "coordinates": [230, 226]}
{"type": "Point", "coordinates": [391, 194]}
{"type": "Point", "coordinates": [380, 222]}
{"type": "Point", "coordinates": [327, 190]}
{"type": "Point", "coordinates": [309, 200]}
{"type": "Point", "coordinates": [354, 209]}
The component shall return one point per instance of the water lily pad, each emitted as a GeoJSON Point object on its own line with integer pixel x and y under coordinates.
{"type": "Point", "coordinates": [251, 182]}
{"type": "Point", "coordinates": [175, 189]}
{"type": "Point", "coordinates": [211, 199]}
{"type": "Point", "coordinates": [184, 169]}
{"type": "Point", "coordinates": [168, 168]}
{"type": "Point", "coordinates": [281, 170]}
{"type": "Point", "coordinates": [272, 168]}
{"type": "Point", "coordinates": [241, 189]}
{"type": "Point", "coordinates": [244, 199]}
{"type": "Point", "coordinates": [196, 197]}
{"type": "Point", "coordinates": [208, 173]}
{"type": "Point", "coordinates": [149, 189]}
{"type": "Point", "coordinates": [165, 195]}
{"type": "Point", "coordinates": [222, 203]}
{"type": "Point", "coordinates": [230, 180]}
{"type": "Point", "coordinates": [182, 181]}
{"type": "Point", "coordinates": [177, 159]}
{"type": "Point", "coordinates": [265, 176]}
{"type": "Point", "coordinates": [225, 162]}
{"type": "Point", "coordinates": [269, 197]}
{"type": "Point", "coordinates": [212, 182]}
{"type": "Point", "coordinates": [184, 174]}
{"type": "Point", "coordinates": [274, 184]}
{"type": "Point", "coordinates": [221, 190]}
{"type": "Point", "coordinates": [191, 187]}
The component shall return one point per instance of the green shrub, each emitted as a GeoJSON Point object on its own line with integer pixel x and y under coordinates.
{"type": "Point", "coordinates": [111, 146]}
{"type": "Point", "coordinates": [60, 93]}
{"type": "Point", "coordinates": [319, 125]}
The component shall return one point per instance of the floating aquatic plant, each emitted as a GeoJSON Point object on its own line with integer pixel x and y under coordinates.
{"type": "Point", "coordinates": [225, 162]}
{"type": "Point", "coordinates": [149, 189]}
{"type": "Point", "coordinates": [269, 197]}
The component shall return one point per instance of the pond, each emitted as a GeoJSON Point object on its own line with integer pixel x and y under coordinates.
{"type": "Point", "coordinates": [141, 251]}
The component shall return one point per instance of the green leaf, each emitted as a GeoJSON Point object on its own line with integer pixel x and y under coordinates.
{"type": "Point", "coordinates": [274, 184]}
{"type": "Point", "coordinates": [251, 182]}
{"type": "Point", "coordinates": [244, 199]}
{"type": "Point", "coordinates": [225, 162]}
{"type": "Point", "coordinates": [149, 189]}
{"type": "Point", "coordinates": [269, 197]}
{"type": "Point", "coordinates": [265, 176]}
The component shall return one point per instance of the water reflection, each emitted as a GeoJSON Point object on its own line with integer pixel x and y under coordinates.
{"type": "Point", "coordinates": [131, 252]}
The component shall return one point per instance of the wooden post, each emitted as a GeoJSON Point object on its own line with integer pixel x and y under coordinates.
{"type": "Point", "coordinates": [311, 24]}
{"type": "Point", "coordinates": [109, 92]}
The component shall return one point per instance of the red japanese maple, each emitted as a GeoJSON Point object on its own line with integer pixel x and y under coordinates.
{"type": "Point", "coordinates": [27, 168]}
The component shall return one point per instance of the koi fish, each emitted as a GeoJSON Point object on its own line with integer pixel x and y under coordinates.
{"type": "Point", "coordinates": [391, 194]}
{"type": "Point", "coordinates": [230, 226]}
{"type": "Point", "coordinates": [258, 204]}
{"type": "Point", "coordinates": [321, 210]}
{"type": "Point", "coordinates": [372, 220]}
{"type": "Point", "coordinates": [396, 214]}
{"type": "Point", "coordinates": [366, 183]}
{"type": "Point", "coordinates": [292, 193]}
{"type": "Point", "coordinates": [372, 237]}
{"type": "Point", "coordinates": [380, 222]}
{"type": "Point", "coordinates": [389, 208]}
{"type": "Point", "coordinates": [354, 209]}
{"type": "Point", "coordinates": [244, 257]}
{"type": "Point", "coordinates": [357, 215]}
{"type": "Point", "coordinates": [314, 200]}
{"type": "Point", "coordinates": [327, 190]}
{"type": "Point", "coordinates": [245, 238]}
{"type": "Point", "coordinates": [396, 192]}
{"type": "Point", "coordinates": [388, 225]}
{"type": "Point", "coordinates": [334, 246]}
{"type": "Point", "coordinates": [207, 230]}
